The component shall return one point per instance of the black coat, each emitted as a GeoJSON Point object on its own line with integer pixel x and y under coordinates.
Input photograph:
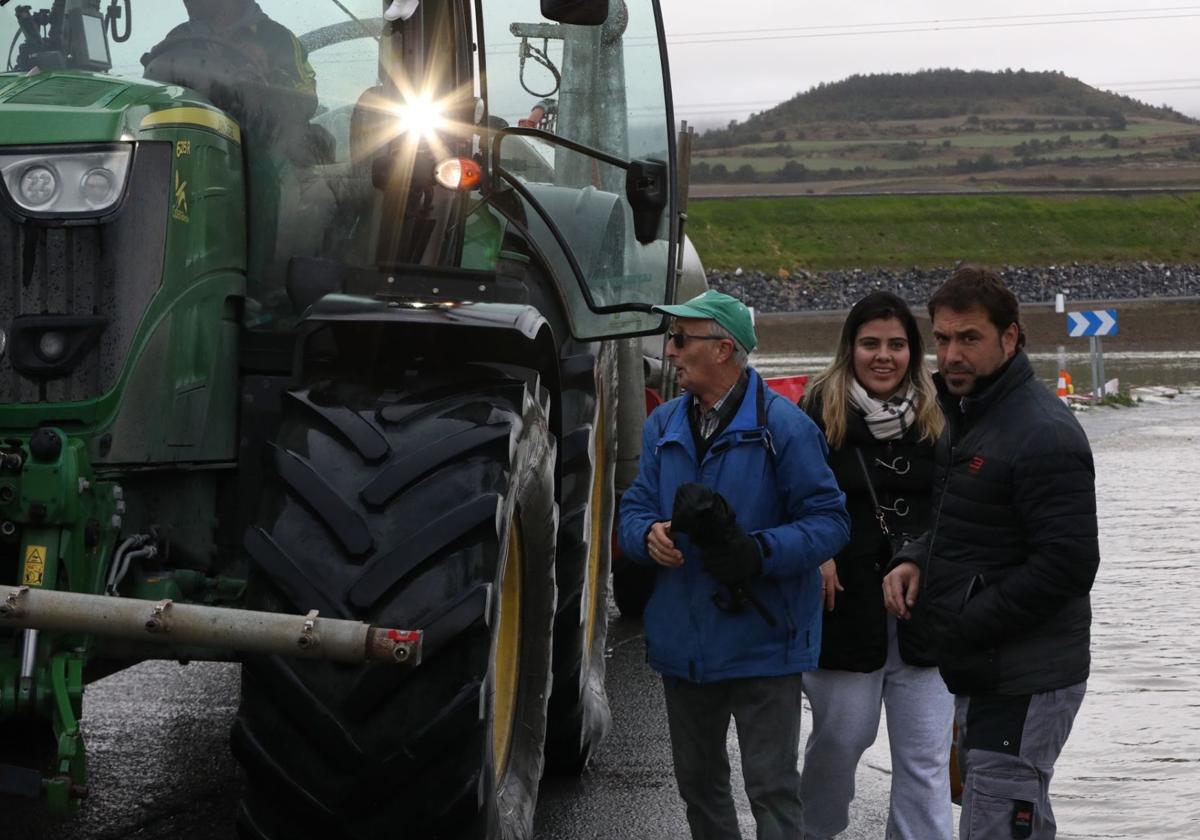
{"type": "Point", "coordinates": [854, 635]}
{"type": "Point", "coordinates": [1012, 553]}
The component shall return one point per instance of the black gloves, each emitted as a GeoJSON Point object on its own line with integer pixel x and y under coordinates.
{"type": "Point", "coordinates": [730, 555]}
{"type": "Point", "coordinates": [736, 561]}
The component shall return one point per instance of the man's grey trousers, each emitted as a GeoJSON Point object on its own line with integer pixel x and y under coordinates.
{"type": "Point", "coordinates": [1007, 747]}
{"type": "Point", "coordinates": [767, 712]}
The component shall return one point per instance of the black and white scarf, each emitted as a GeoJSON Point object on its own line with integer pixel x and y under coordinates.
{"type": "Point", "coordinates": [887, 419]}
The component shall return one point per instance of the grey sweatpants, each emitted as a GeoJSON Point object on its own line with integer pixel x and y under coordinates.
{"type": "Point", "coordinates": [846, 706]}
{"type": "Point", "coordinates": [1007, 747]}
{"type": "Point", "coordinates": [767, 713]}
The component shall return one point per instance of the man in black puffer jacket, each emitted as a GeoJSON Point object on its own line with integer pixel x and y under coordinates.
{"type": "Point", "coordinates": [1007, 565]}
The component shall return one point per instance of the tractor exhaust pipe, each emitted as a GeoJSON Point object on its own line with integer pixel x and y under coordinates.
{"type": "Point", "coordinates": [244, 631]}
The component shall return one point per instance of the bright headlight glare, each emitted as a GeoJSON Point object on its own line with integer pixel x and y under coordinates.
{"type": "Point", "coordinates": [67, 183]}
{"type": "Point", "coordinates": [421, 116]}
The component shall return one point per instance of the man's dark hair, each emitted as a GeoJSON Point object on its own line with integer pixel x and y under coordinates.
{"type": "Point", "coordinates": [972, 285]}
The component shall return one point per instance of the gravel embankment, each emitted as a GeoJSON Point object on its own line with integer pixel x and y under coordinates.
{"type": "Point", "coordinates": [802, 290]}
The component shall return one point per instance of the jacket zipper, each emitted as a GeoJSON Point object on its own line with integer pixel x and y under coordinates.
{"type": "Point", "coordinates": [927, 572]}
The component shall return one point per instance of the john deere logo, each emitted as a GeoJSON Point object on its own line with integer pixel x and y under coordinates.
{"type": "Point", "coordinates": [180, 213]}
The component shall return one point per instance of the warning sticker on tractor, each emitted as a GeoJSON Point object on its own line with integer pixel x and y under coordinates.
{"type": "Point", "coordinates": [35, 565]}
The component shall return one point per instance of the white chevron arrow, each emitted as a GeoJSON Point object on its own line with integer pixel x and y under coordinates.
{"type": "Point", "coordinates": [1077, 324]}
{"type": "Point", "coordinates": [1108, 322]}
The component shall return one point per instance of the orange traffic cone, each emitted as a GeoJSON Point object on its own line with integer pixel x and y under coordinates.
{"type": "Point", "coordinates": [1061, 391]}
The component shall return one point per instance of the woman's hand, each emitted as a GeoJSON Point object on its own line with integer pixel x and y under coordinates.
{"type": "Point", "coordinates": [830, 585]}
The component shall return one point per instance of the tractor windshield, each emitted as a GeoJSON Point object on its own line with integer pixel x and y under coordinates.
{"type": "Point", "coordinates": [340, 39]}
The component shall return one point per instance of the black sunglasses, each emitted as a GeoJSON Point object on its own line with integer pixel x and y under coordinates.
{"type": "Point", "coordinates": [680, 339]}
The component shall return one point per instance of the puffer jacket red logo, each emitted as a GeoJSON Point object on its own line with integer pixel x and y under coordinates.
{"type": "Point", "coordinates": [976, 465]}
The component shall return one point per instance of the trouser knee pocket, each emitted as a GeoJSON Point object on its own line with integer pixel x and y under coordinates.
{"type": "Point", "coordinates": [1002, 806]}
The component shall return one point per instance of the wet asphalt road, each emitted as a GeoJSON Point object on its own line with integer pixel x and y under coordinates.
{"type": "Point", "coordinates": [161, 768]}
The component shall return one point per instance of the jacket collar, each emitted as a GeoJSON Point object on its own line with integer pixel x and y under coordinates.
{"type": "Point", "coordinates": [751, 418]}
{"type": "Point", "coordinates": [1017, 371]}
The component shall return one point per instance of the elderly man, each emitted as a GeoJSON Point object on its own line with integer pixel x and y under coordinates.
{"type": "Point", "coordinates": [1008, 562]}
{"type": "Point", "coordinates": [732, 624]}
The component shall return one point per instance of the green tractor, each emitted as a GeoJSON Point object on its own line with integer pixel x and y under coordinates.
{"type": "Point", "coordinates": [315, 329]}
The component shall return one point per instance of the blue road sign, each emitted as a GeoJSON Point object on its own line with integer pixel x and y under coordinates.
{"type": "Point", "coordinates": [1097, 322]}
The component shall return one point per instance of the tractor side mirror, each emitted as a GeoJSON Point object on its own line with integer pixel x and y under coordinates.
{"type": "Point", "coordinates": [646, 188]}
{"type": "Point", "coordinates": [579, 12]}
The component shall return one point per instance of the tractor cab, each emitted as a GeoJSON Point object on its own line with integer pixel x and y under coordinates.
{"type": "Point", "coordinates": [372, 135]}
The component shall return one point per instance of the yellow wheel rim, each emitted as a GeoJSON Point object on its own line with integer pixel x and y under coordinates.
{"type": "Point", "coordinates": [597, 545]}
{"type": "Point", "coordinates": [507, 657]}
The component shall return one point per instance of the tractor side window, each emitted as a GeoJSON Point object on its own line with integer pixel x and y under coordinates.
{"type": "Point", "coordinates": [584, 199]}
{"type": "Point", "coordinates": [603, 88]}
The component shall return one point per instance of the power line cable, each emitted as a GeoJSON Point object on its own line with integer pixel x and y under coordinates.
{"type": "Point", "coordinates": [779, 37]}
{"type": "Point", "coordinates": [780, 31]}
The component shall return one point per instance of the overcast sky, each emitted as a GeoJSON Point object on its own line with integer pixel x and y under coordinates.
{"type": "Point", "coordinates": [729, 59]}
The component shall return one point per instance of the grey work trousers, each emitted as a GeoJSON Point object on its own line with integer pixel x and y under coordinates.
{"type": "Point", "coordinates": [766, 711]}
{"type": "Point", "coordinates": [1007, 747]}
{"type": "Point", "coordinates": [846, 710]}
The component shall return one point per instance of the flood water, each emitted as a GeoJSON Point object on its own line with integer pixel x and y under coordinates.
{"type": "Point", "coordinates": [1131, 768]}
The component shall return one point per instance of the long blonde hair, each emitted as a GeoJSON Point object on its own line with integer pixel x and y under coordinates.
{"type": "Point", "coordinates": [830, 389]}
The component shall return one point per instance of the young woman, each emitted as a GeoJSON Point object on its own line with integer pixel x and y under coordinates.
{"type": "Point", "coordinates": [877, 406]}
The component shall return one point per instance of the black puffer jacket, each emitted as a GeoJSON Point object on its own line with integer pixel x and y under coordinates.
{"type": "Point", "coordinates": [1010, 558]}
{"type": "Point", "coordinates": [854, 634]}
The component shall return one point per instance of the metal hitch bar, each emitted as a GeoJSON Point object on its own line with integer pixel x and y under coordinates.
{"type": "Point", "coordinates": [246, 631]}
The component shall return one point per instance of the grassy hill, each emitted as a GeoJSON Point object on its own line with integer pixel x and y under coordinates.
{"type": "Point", "coordinates": [937, 128]}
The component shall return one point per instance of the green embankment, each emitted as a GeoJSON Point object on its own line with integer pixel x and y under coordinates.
{"type": "Point", "coordinates": [903, 231]}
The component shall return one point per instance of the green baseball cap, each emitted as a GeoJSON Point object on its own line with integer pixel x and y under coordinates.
{"type": "Point", "coordinates": [727, 311]}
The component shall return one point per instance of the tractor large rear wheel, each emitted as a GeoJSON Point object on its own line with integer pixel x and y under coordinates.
{"type": "Point", "coordinates": [579, 712]}
{"type": "Point", "coordinates": [428, 508]}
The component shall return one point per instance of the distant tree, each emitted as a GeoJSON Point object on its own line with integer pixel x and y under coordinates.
{"type": "Point", "coordinates": [780, 135]}
{"type": "Point", "coordinates": [791, 172]}
{"type": "Point", "coordinates": [909, 151]}
{"type": "Point", "coordinates": [720, 172]}
{"type": "Point", "coordinates": [745, 174]}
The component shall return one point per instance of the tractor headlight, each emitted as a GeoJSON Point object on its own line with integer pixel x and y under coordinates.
{"type": "Point", "coordinates": [52, 345]}
{"type": "Point", "coordinates": [38, 186]}
{"type": "Point", "coordinates": [86, 183]}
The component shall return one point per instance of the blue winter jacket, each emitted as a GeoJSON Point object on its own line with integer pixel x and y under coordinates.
{"type": "Point", "coordinates": [770, 464]}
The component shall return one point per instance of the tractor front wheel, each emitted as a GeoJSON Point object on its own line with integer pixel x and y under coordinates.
{"type": "Point", "coordinates": [432, 508]}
